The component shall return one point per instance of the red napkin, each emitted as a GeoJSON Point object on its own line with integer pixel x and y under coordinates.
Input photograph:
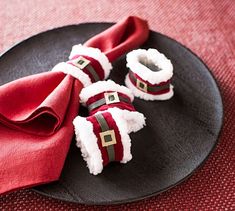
{"type": "Point", "coordinates": [36, 113]}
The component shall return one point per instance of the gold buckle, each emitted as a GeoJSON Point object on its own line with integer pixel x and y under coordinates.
{"type": "Point", "coordinates": [108, 138]}
{"type": "Point", "coordinates": [81, 62]}
{"type": "Point", "coordinates": [141, 85]}
{"type": "Point", "coordinates": [111, 97]}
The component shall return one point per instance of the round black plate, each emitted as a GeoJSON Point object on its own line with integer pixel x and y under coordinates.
{"type": "Point", "coordinates": [180, 132]}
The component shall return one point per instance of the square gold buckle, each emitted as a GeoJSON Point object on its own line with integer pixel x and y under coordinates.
{"type": "Point", "coordinates": [108, 138]}
{"type": "Point", "coordinates": [141, 85]}
{"type": "Point", "coordinates": [81, 62]}
{"type": "Point", "coordinates": [111, 97]}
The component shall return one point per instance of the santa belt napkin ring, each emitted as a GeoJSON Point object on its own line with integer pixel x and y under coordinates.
{"type": "Point", "coordinates": [87, 64]}
{"type": "Point", "coordinates": [106, 94]}
{"type": "Point", "coordinates": [103, 136]}
{"type": "Point", "coordinates": [149, 74]}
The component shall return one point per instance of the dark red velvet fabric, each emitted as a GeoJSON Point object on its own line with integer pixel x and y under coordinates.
{"type": "Point", "coordinates": [36, 113]}
{"type": "Point", "coordinates": [118, 148]}
{"type": "Point", "coordinates": [164, 91]}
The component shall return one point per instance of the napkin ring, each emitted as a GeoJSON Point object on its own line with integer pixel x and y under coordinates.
{"type": "Point", "coordinates": [106, 94]}
{"type": "Point", "coordinates": [86, 64]}
{"type": "Point", "coordinates": [150, 74]}
{"type": "Point", "coordinates": [104, 137]}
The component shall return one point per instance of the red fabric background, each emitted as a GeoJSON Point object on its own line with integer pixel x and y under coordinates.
{"type": "Point", "coordinates": [205, 26]}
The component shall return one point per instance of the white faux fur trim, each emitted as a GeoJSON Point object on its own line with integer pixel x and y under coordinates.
{"type": "Point", "coordinates": [127, 122]}
{"type": "Point", "coordinates": [73, 71]}
{"type": "Point", "coordinates": [94, 53]}
{"type": "Point", "coordinates": [103, 86]}
{"type": "Point", "coordinates": [150, 56]}
{"type": "Point", "coordinates": [147, 96]}
{"type": "Point", "coordinates": [87, 142]}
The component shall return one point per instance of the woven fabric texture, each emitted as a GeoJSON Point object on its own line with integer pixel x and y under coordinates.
{"type": "Point", "coordinates": [207, 27]}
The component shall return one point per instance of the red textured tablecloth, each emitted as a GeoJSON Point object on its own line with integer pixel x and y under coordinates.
{"type": "Point", "coordinates": [205, 26]}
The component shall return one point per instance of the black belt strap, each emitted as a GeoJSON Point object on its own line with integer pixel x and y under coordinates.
{"type": "Point", "coordinates": [156, 88]}
{"type": "Point", "coordinates": [92, 71]}
{"type": "Point", "coordinates": [102, 101]}
{"type": "Point", "coordinates": [104, 127]}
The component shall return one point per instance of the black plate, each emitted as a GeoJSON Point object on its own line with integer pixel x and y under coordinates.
{"type": "Point", "coordinates": [179, 136]}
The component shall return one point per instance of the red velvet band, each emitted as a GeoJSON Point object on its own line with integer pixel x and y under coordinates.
{"type": "Point", "coordinates": [122, 105]}
{"type": "Point", "coordinates": [150, 85]}
{"type": "Point", "coordinates": [118, 147]}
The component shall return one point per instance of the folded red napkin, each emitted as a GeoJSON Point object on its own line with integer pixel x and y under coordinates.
{"type": "Point", "coordinates": [36, 112]}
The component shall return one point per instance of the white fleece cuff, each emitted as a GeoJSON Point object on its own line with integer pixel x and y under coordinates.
{"type": "Point", "coordinates": [137, 58]}
{"type": "Point", "coordinates": [87, 142]}
{"type": "Point", "coordinates": [94, 53]}
{"type": "Point", "coordinates": [73, 71]}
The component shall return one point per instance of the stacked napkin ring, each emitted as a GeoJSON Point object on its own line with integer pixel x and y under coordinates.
{"type": "Point", "coordinates": [103, 136]}
{"type": "Point", "coordinates": [87, 64]}
{"type": "Point", "coordinates": [149, 74]}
